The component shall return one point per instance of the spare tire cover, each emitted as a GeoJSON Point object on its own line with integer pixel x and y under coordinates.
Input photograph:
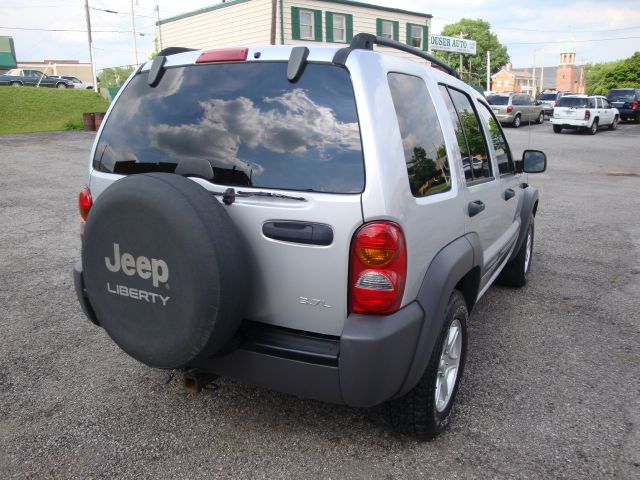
{"type": "Point", "coordinates": [164, 268]}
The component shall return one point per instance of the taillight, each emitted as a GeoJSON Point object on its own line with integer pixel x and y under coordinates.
{"type": "Point", "coordinates": [509, 109]}
{"type": "Point", "coordinates": [85, 202]}
{"type": "Point", "coordinates": [634, 104]}
{"type": "Point", "coordinates": [587, 114]}
{"type": "Point", "coordinates": [378, 268]}
{"type": "Point", "coordinates": [224, 55]}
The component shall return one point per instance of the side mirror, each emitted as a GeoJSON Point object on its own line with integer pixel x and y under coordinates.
{"type": "Point", "coordinates": [534, 161]}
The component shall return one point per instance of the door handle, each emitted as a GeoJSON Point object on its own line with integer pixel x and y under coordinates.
{"type": "Point", "coordinates": [509, 193]}
{"type": "Point", "coordinates": [475, 207]}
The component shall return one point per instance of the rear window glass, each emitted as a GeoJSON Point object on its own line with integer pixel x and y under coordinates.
{"type": "Point", "coordinates": [547, 96]}
{"type": "Point", "coordinates": [498, 100]}
{"type": "Point", "coordinates": [246, 120]}
{"type": "Point", "coordinates": [575, 102]}
{"type": "Point", "coordinates": [621, 95]}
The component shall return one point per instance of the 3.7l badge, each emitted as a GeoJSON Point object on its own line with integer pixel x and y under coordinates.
{"type": "Point", "coordinates": [313, 302]}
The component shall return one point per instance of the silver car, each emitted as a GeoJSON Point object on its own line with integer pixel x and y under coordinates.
{"type": "Point", "coordinates": [315, 220]}
{"type": "Point", "coordinates": [515, 109]}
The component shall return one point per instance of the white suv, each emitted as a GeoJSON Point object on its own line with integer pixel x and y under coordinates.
{"type": "Point", "coordinates": [305, 219]}
{"type": "Point", "coordinates": [584, 112]}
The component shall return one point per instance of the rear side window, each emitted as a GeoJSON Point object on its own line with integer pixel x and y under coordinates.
{"type": "Point", "coordinates": [476, 161]}
{"type": "Point", "coordinates": [422, 139]}
{"type": "Point", "coordinates": [246, 120]}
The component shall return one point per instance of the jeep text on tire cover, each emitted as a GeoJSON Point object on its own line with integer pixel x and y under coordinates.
{"type": "Point", "coordinates": [328, 218]}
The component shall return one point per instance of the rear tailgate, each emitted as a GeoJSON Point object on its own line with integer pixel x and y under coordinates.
{"type": "Point", "coordinates": [290, 151]}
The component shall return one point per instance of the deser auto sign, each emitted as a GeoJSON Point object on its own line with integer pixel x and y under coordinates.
{"type": "Point", "coordinates": [453, 44]}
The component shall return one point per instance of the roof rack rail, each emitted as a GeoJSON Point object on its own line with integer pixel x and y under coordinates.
{"type": "Point", "coordinates": [366, 41]}
{"type": "Point", "coordinates": [165, 52]}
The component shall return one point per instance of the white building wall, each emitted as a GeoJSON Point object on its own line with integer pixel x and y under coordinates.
{"type": "Point", "coordinates": [233, 24]}
{"type": "Point", "coordinates": [248, 22]}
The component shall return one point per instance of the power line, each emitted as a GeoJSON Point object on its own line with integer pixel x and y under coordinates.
{"type": "Point", "coordinates": [71, 30]}
{"type": "Point", "coordinates": [500, 27]}
{"type": "Point", "coordinates": [64, 30]}
{"type": "Point", "coordinates": [573, 41]}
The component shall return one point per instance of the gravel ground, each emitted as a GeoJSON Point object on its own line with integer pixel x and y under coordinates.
{"type": "Point", "coordinates": [551, 390]}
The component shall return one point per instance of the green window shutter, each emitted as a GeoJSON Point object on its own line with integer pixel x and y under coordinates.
{"type": "Point", "coordinates": [396, 31]}
{"type": "Point", "coordinates": [378, 26]}
{"type": "Point", "coordinates": [328, 20]}
{"type": "Point", "coordinates": [425, 41]}
{"type": "Point", "coordinates": [409, 34]}
{"type": "Point", "coordinates": [295, 23]}
{"type": "Point", "coordinates": [349, 28]}
{"type": "Point", "coordinates": [317, 24]}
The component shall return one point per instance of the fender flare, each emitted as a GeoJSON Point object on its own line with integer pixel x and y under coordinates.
{"type": "Point", "coordinates": [529, 208]}
{"type": "Point", "coordinates": [447, 269]}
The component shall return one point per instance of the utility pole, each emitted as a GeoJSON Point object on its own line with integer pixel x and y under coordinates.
{"type": "Point", "coordinates": [488, 70]}
{"type": "Point", "coordinates": [159, 29]}
{"type": "Point", "coordinates": [542, 72]}
{"type": "Point", "coordinates": [533, 75]}
{"type": "Point", "coordinates": [133, 35]}
{"type": "Point", "coordinates": [93, 65]}
{"type": "Point", "coordinates": [460, 72]}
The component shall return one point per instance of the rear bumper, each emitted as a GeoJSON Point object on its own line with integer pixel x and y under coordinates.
{"type": "Point", "coordinates": [505, 117]}
{"type": "Point", "coordinates": [571, 123]}
{"type": "Point", "coordinates": [365, 366]}
{"type": "Point", "coordinates": [629, 113]}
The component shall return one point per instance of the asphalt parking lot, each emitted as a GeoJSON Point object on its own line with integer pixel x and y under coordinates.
{"type": "Point", "coordinates": [551, 389]}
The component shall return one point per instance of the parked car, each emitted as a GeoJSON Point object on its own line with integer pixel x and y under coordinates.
{"type": "Point", "coordinates": [626, 101]}
{"type": "Point", "coordinates": [584, 112]}
{"type": "Point", "coordinates": [301, 218]}
{"type": "Point", "coordinates": [75, 81]}
{"type": "Point", "coordinates": [547, 100]}
{"type": "Point", "coordinates": [19, 77]}
{"type": "Point", "coordinates": [515, 108]}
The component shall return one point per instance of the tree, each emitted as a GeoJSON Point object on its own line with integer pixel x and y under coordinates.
{"type": "Point", "coordinates": [486, 41]}
{"type": "Point", "coordinates": [114, 77]}
{"type": "Point", "coordinates": [601, 77]}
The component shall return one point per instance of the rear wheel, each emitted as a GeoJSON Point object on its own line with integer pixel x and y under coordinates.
{"type": "Point", "coordinates": [516, 121]}
{"type": "Point", "coordinates": [593, 129]}
{"type": "Point", "coordinates": [16, 84]}
{"type": "Point", "coordinates": [61, 85]}
{"type": "Point", "coordinates": [614, 124]}
{"type": "Point", "coordinates": [541, 117]}
{"type": "Point", "coordinates": [426, 410]}
{"type": "Point", "coordinates": [557, 129]}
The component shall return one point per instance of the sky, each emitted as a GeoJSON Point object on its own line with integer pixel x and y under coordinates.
{"type": "Point", "coordinates": [601, 30]}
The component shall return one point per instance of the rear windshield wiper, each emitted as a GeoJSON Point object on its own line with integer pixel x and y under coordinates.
{"type": "Point", "coordinates": [229, 195]}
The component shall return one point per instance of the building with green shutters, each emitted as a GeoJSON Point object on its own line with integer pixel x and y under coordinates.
{"type": "Point", "coordinates": [290, 22]}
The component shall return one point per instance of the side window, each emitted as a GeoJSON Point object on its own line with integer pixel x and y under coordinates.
{"type": "Point", "coordinates": [422, 138]}
{"type": "Point", "coordinates": [500, 146]}
{"type": "Point", "coordinates": [475, 158]}
{"type": "Point", "coordinates": [591, 103]}
{"type": "Point", "coordinates": [605, 103]}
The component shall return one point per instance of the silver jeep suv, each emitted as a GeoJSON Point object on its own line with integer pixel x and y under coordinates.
{"type": "Point", "coordinates": [319, 221]}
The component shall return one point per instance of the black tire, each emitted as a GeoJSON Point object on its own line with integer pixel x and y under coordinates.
{"type": "Point", "coordinates": [516, 121]}
{"type": "Point", "coordinates": [61, 85]}
{"type": "Point", "coordinates": [516, 271]}
{"type": "Point", "coordinates": [165, 269]}
{"type": "Point", "coordinates": [540, 118]}
{"type": "Point", "coordinates": [593, 129]}
{"type": "Point", "coordinates": [416, 413]}
{"type": "Point", "coordinates": [557, 129]}
{"type": "Point", "coordinates": [614, 124]}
